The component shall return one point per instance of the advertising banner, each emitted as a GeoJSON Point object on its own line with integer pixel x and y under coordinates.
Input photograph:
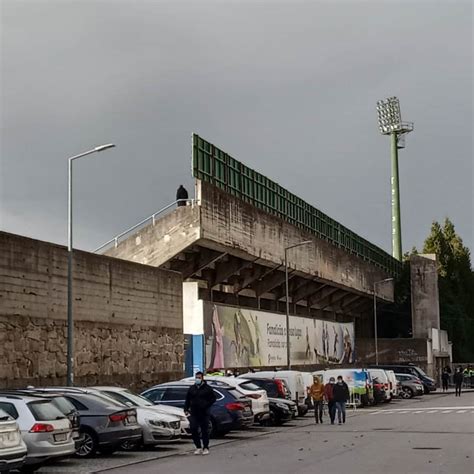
{"type": "Point", "coordinates": [237, 337]}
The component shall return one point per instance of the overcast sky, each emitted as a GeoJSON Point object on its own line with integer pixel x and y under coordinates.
{"type": "Point", "coordinates": [289, 88]}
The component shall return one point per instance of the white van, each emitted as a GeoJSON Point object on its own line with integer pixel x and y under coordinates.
{"type": "Point", "coordinates": [358, 381]}
{"type": "Point", "coordinates": [383, 379]}
{"type": "Point", "coordinates": [294, 381]}
{"type": "Point", "coordinates": [393, 383]}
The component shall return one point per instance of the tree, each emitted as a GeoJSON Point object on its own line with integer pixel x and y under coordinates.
{"type": "Point", "coordinates": [456, 288]}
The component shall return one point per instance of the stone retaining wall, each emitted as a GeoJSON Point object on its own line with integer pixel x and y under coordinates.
{"type": "Point", "coordinates": [128, 318]}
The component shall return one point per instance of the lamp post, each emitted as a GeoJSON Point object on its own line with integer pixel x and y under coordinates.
{"type": "Point", "coordinates": [390, 123]}
{"type": "Point", "coordinates": [375, 316]}
{"type": "Point", "coordinates": [288, 362]}
{"type": "Point", "coordinates": [70, 321]}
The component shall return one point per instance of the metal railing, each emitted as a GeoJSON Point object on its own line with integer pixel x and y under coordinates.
{"type": "Point", "coordinates": [150, 219]}
{"type": "Point", "coordinates": [214, 166]}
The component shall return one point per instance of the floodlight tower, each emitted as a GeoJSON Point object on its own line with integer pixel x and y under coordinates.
{"type": "Point", "coordinates": [390, 123]}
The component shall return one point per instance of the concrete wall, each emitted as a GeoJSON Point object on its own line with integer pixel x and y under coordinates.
{"type": "Point", "coordinates": [392, 351]}
{"type": "Point", "coordinates": [128, 317]}
{"type": "Point", "coordinates": [156, 244]}
{"type": "Point", "coordinates": [424, 295]}
{"type": "Point", "coordinates": [235, 224]}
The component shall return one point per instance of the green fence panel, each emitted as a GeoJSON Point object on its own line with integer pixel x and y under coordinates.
{"type": "Point", "coordinates": [213, 165]}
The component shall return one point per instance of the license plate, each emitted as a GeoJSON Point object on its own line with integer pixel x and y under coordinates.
{"type": "Point", "coordinates": [60, 437]}
{"type": "Point", "coordinates": [8, 440]}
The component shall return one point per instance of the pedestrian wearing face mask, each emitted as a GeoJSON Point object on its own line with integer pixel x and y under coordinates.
{"type": "Point", "coordinates": [199, 399]}
{"type": "Point", "coordinates": [341, 395]}
{"type": "Point", "coordinates": [329, 397]}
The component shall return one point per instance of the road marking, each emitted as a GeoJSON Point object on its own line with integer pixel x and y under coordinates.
{"type": "Point", "coordinates": [461, 411]}
{"type": "Point", "coordinates": [418, 411]}
{"type": "Point", "coordinates": [404, 412]}
{"type": "Point", "coordinates": [447, 411]}
{"type": "Point", "coordinates": [432, 411]}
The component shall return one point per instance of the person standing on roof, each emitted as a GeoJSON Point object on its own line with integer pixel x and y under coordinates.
{"type": "Point", "coordinates": [199, 399]}
{"type": "Point", "coordinates": [181, 195]}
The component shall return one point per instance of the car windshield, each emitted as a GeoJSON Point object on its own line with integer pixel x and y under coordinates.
{"type": "Point", "coordinates": [64, 405]}
{"type": "Point", "coordinates": [137, 399]}
{"type": "Point", "coordinates": [420, 371]}
{"type": "Point", "coordinates": [4, 416]}
{"type": "Point", "coordinates": [249, 386]}
{"type": "Point", "coordinates": [45, 411]}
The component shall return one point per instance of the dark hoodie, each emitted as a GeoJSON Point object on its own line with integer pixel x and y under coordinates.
{"type": "Point", "coordinates": [340, 392]}
{"type": "Point", "coordinates": [199, 399]}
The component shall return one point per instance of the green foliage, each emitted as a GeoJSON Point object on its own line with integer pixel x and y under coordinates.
{"type": "Point", "coordinates": [456, 288]}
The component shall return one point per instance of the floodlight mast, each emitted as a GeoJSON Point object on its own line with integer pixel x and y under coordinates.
{"type": "Point", "coordinates": [390, 123]}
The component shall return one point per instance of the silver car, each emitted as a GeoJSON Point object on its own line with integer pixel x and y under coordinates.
{"type": "Point", "coordinates": [129, 398]}
{"type": "Point", "coordinates": [157, 426]}
{"type": "Point", "coordinates": [45, 430]}
{"type": "Point", "coordinates": [12, 446]}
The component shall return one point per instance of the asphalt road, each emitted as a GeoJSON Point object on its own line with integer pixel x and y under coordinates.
{"type": "Point", "coordinates": [433, 434]}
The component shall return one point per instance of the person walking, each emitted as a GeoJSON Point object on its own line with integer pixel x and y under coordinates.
{"type": "Point", "coordinates": [445, 379]}
{"type": "Point", "coordinates": [199, 399]}
{"type": "Point", "coordinates": [340, 396]}
{"type": "Point", "coordinates": [316, 392]}
{"type": "Point", "coordinates": [329, 397]}
{"type": "Point", "coordinates": [181, 195]}
{"type": "Point", "coordinates": [458, 380]}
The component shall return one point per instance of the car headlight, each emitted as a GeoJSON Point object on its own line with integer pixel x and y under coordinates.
{"type": "Point", "coordinates": [159, 423]}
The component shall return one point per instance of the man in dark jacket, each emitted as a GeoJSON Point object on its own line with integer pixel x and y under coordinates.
{"type": "Point", "coordinates": [199, 399]}
{"type": "Point", "coordinates": [340, 393]}
{"type": "Point", "coordinates": [181, 195]}
{"type": "Point", "coordinates": [458, 380]}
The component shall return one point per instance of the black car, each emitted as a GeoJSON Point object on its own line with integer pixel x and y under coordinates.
{"type": "Point", "coordinates": [429, 384]}
{"type": "Point", "coordinates": [281, 411]}
{"type": "Point", "coordinates": [275, 388]}
{"type": "Point", "coordinates": [104, 423]}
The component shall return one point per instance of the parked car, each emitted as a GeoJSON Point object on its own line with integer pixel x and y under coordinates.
{"type": "Point", "coordinates": [12, 446]}
{"type": "Point", "coordinates": [411, 385]}
{"type": "Point", "coordinates": [429, 384]}
{"type": "Point", "coordinates": [105, 424]}
{"type": "Point", "coordinates": [380, 394]}
{"type": "Point", "coordinates": [281, 411]}
{"type": "Point", "coordinates": [275, 388]}
{"type": "Point", "coordinates": [45, 430]}
{"type": "Point", "coordinates": [359, 382]}
{"type": "Point", "coordinates": [294, 381]}
{"type": "Point", "coordinates": [382, 377]}
{"type": "Point", "coordinates": [225, 415]}
{"type": "Point", "coordinates": [63, 405]}
{"type": "Point", "coordinates": [156, 425]}
{"type": "Point", "coordinates": [244, 388]}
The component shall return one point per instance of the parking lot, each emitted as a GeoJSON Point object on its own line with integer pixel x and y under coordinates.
{"type": "Point", "coordinates": [433, 433]}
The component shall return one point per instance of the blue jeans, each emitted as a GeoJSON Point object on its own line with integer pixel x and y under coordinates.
{"type": "Point", "coordinates": [341, 410]}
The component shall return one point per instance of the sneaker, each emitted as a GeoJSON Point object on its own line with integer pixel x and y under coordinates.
{"type": "Point", "coordinates": [205, 451]}
{"type": "Point", "coordinates": [198, 451]}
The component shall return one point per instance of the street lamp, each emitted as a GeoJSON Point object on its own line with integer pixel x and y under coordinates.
{"type": "Point", "coordinates": [375, 316]}
{"type": "Point", "coordinates": [390, 123]}
{"type": "Point", "coordinates": [70, 322]}
{"type": "Point", "coordinates": [287, 300]}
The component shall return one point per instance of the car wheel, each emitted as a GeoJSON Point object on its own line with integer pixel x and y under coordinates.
{"type": "Point", "coordinates": [88, 446]}
{"type": "Point", "coordinates": [408, 392]}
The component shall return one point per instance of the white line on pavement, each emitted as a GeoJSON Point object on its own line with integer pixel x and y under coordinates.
{"type": "Point", "coordinates": [461, 411]}
{"type": "Point", "coordinates": [447, 411]}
